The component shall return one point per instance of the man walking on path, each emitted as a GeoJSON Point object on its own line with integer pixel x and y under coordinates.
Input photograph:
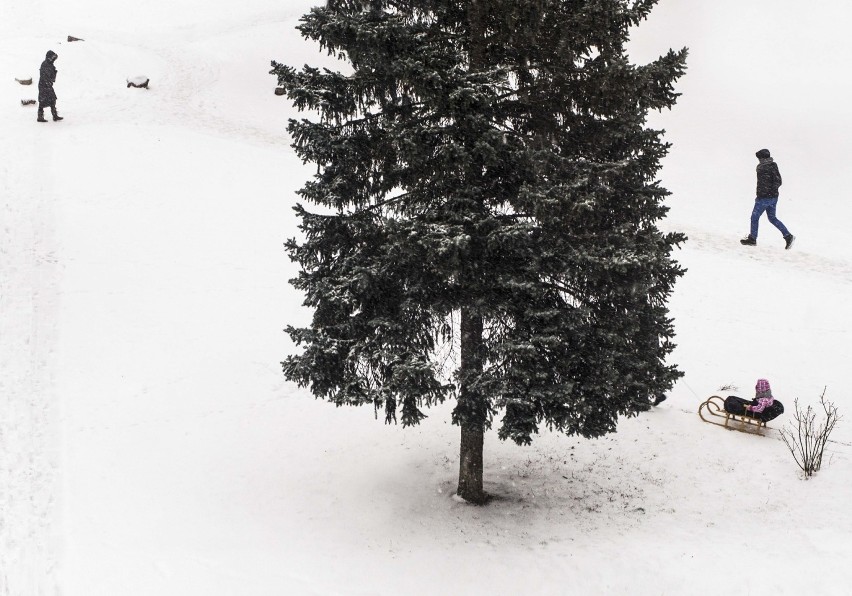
{"type": "Point", "coordinates": [768, 182]}
{"type": "Point", "coordinates": [46, 94]}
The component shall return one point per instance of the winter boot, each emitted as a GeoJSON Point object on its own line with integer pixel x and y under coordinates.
{"type": "Point", "coordinates": [749, 241]}
{"type": "Point", "coordinates": [788, 239]}
{"type": "Point", "coordinates": [41, 115]}
{"type": "Point", "coordinates": [56, 117]}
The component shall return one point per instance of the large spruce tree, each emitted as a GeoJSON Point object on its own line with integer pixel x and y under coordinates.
{"type": "Point", "coordinates": [485, 180]}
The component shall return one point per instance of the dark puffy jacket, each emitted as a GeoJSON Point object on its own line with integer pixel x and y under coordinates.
{"type": "Point", "coordinates": [47, 76]}
{"type": "Point", "coordinates": [768, 179]}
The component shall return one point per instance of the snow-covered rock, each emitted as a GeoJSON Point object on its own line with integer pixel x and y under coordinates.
{"type": "Point", "coordinates": [139, 81]}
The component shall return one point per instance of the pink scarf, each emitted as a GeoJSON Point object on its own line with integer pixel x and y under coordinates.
{"type": "Point", "coordinates": [762, 403]}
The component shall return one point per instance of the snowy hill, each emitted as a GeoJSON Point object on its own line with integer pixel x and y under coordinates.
{"type": "Point", "coordinates": [150, 446]}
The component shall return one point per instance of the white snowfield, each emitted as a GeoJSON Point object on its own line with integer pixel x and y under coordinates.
{"type": "Point", "coordinates": [149, 445]}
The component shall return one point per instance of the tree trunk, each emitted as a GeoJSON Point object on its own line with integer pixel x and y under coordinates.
{"type": "Point", "coordinates": [472, 405]}
{"type": "Point", "coordinates": [476, 21]}
{"type": "Point", "coordinates": [474, 410]}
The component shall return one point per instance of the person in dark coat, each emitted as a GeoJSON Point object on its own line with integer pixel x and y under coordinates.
{"type": "Point", "coordinates": [768, 182]}
{"type": "Point", "coordinates": [46, 94]}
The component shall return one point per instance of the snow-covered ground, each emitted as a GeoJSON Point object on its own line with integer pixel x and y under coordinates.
{"type": "Point", "coordinates": [150, 446]}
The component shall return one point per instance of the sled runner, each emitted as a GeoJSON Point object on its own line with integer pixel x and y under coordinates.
{"type": "Point", "coordinates": [731, 414]}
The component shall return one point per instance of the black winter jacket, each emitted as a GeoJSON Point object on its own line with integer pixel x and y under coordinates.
{"type": "Point", "coordinates": [768, 179]}
{"type": "Point", "coordinates": [47, 76]}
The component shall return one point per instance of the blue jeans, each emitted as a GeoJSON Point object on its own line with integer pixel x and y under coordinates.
{"type": "Point", "coordinates": [768, 205]}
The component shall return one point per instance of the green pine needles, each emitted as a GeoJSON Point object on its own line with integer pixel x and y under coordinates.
{"type": "Point", "coordinates": [486, 197]}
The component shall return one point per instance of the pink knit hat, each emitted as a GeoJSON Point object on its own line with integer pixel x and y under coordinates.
{"type": "Point", "coordinates": [762, 388]}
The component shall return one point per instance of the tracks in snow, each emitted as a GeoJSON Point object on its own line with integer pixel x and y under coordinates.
{"type": "Point", "coordinates": [29, 438]}
{"type": "Point", "coordinates": [795, 258]}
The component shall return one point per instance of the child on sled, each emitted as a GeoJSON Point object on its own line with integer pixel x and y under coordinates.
{"type": "Point", "coordinates": [764, 407]}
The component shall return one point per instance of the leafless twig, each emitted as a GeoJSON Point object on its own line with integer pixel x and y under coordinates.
{"type": "Point", "coordinates": [806, 438]}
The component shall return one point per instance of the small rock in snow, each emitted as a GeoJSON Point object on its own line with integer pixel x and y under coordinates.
{"type": "Point", "coordinates": [138, 82]}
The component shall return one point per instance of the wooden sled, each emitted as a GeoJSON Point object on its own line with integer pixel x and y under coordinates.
{"type": "Point", "coordinates": [713, 411]}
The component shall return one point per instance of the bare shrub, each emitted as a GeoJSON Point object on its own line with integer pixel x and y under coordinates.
{"type": "Point", "coordinates": [806, 438]}
{"type": "Point", "coordinates": [729, 387]}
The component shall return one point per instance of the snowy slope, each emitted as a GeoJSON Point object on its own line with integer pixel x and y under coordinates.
{"type": "Point", "coordinates": [150, 446]}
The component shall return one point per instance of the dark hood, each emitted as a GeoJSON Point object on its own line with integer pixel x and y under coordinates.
{"type": "Point", "coordinates": [51, 55]}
